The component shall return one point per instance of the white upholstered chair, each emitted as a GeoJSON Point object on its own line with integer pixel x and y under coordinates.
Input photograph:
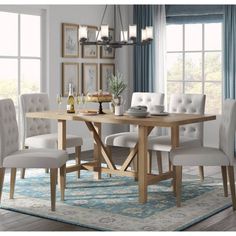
{"type": "Point", "coordinates": [36, 133]}
{"type": "Point", "coordinates": [12, 157]}
{"type": "Point", "coordinates": [191, 135]}
{"type": "Point", "coordinates": [207, 156]}
{"type": "Point", "coordinates": [129, 139]}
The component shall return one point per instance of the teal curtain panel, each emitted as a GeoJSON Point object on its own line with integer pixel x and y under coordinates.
{"type": "Point", "coordinates": [143, 55]}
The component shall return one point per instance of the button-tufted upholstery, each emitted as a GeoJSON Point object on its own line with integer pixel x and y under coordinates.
{"type": "Point", "coordinates": [129, 139]}
{"type": "Point", "coordinates": [34, 102]}
{"type": "Point", "coordinates": [149, 100]}
{"type": "Point", "coordinates": [190, 104]}
{"type": "Point", "coordinates": [37, 132]}
{"type": "Point", "coordinates": [207, 156]}
{"type": "Point", "coordinates": [8, 129]}
{"type": "Point", "coordinates": [191, 134]}
{"type": "Point", "coordinates": [12, 157]}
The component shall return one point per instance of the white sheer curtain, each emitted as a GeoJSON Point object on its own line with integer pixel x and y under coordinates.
{"type": "Point", "coordinates": [160, 47]}
{"type": "Point", "coordinates": [159, 24]}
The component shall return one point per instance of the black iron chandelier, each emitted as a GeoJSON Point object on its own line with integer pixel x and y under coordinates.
{"type": "Point", "coordinates": [127, 37]}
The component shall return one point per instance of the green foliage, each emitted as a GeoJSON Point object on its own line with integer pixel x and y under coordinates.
{"type": "Point", "coordinates": [9, 88]}
{"type": "Point", "coordinates": [117, 84]}
{"type": "Point", "coordinates": [195, 80]}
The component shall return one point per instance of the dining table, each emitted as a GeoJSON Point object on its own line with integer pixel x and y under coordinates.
{"type": "Point", "coordinates": [145, 125]}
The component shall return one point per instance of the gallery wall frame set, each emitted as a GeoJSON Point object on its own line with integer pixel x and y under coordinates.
{"type": "Point", "coordinates": [90, 80]}
{"type": "Point", "coordinates": [71, 46]}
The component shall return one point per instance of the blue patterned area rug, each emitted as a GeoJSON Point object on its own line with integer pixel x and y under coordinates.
{"type": "Point", "coordinates": [112, 203]}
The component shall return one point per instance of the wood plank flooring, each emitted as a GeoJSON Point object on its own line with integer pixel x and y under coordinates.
{"type": "Point", "coordinates": [14, 221]}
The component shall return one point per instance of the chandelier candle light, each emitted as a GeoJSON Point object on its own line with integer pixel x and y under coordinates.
{"type": "Point", "coordinates": [126, 37]}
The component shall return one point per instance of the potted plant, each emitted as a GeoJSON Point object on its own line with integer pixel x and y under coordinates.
{"type": "Point", "coordinates": [117, 87]}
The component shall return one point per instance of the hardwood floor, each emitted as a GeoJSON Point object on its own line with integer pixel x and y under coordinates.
{"type": "Point", "coordinates": [14, 221]}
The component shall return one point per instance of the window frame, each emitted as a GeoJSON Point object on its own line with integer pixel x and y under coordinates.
{"type": "Point", "coordinates": [203, 52]}
{"type": "Point", "coordinates": [34, 12]}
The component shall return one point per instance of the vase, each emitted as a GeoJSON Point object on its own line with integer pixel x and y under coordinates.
{"type": "Point", "coordinates": [117, 101]}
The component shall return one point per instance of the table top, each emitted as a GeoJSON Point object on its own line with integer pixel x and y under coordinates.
{"type": "Point", "coordinates": [173, 119]}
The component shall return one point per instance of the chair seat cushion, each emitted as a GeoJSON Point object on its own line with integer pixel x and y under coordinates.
{"type": "Point", "coordinates": [125, 139]}
{"type": "Point", "coordinates": [205, 156]}
{"type": "Point", "coordinates": [36, 158]}
{"type": "Point", "coordinates": [155, 143]}
{"type": "Point", "coordinates": [50, 141]}
{"type": "Point", "coordinates": [163, 143]}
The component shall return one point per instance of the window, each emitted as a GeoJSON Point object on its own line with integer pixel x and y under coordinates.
{"type": "Point", "coordinates": [194, 62]}
{"type": "Point", "coordinates": [20, 57]}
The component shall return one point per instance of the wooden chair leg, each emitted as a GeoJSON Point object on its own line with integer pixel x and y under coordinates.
{"type": "Point", "coordinates": [53, 179]}
{"type": "Point", "coordinates": [149, 162]}
{"type": "Point", "coordinates": [201, 172]}
{"type": "Point", "coordinates": [159, 162]}
{"type": "Point", "coordinates": [62, 181]}
{"type": "Point", "coordinates": [12, 182]}
{"type": "Point", "coordinates": [173, 182]}
{"type": "Point", "coordinates": [225, 182]}
{"type": "Point", "coordinates": [170, 164]}
{"type": "Point", "coordinates": [178, 179]}
{"type": "Point", "coordinates": [110, 155]}
{"type": "Point", "coordinates": [232, 185]}
{"type": "Point", "coordinates": [77, 158]}
{"type": "Point", "coordinates": [2, 173]}
{"type": "Point", "coordinates": [22, 174]}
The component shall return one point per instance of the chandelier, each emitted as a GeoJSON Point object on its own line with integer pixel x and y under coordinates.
{"type": "Point", "coordinates": [127, 37]}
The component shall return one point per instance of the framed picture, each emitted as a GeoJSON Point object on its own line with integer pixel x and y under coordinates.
{"type": "Point", "coordinates": [90, 51]}
{"type": "Point", "coordinates": [70, 44]}
{"type": "Point", "coordinates": [70, 74]}
{"type": "Point", "coordinates": [89, 77]}
{"type": "Point", "coordinates": [107, 52]}
{"type": "Point", "coordinates": [106, 70]}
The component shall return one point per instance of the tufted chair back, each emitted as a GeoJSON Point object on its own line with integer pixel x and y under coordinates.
{"type": "Point", "coordinates": [190, 104]}
{"type": "Point", "coordinates": [8, 129]}
{"type": "Point", "coordinates": [146, 99]}
{"type": "Point", "coordinates": [34, 102]}
{"type": "Point", "coordinates": [227, 129]}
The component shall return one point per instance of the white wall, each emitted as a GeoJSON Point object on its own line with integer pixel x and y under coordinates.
{"type": "Point", "coordinates": [88, 15]}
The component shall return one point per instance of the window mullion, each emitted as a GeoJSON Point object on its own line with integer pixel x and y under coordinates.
{"type": "Point", "coordinates": [203, 58]}
{"type": "Point", "coordinates": [183, 58]}
{"type": "Point", "coordinates": [19, 53]}
{"type": "Point", "coordinates": [19, 69]}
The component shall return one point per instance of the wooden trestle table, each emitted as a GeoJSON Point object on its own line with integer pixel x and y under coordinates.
{"type": "Point", "coordinates": [145, 126]}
